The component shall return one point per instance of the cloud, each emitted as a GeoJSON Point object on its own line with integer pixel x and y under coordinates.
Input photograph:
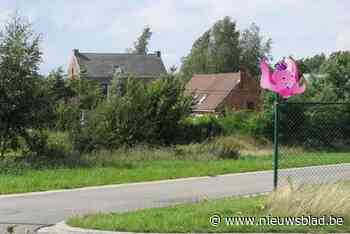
{"type": "Point", "coordinates": [296, 28]}
{"type": "Point", "coordinates": [342, 25]}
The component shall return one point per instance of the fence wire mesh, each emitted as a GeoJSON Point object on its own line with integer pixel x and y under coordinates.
{"type": "Point", "coordinates": [314, 141]}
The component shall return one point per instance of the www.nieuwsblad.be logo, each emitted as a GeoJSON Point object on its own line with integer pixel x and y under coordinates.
{"type": "Point", "coordinates": [303, 220]}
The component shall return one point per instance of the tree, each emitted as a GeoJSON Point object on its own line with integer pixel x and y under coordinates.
{"type": "Point", "coordinates": [217, 50]}
{"type": "Point", "coordinates": [118, 86]}
{"type": "Point", "coordinates": [197, 60]}
{"type": "Point", "coordinates": [253, 49]}
{"type": "Point", "coordinates": [58, 86]}
{"type": "Point", "coordinates": [141, 45]}
{"type": "Point", "coordinates": [87, 92]}
{"type": "Point", "coordinates": [142, 113]}
{"type": "Point", "coordinates": [23, 101]}
{"type": "Point", "coordinates": [223, 49]}
{"type": "Point", "coordinates": [336, 70]}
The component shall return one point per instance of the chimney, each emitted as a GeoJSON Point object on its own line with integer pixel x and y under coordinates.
{"type": "Point", "coordinates": [158, 53]}
{"type": "Point", "coordinates": [75, 51]}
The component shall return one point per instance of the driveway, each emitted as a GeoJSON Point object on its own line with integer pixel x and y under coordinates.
{"type": "Point", "coordinates": [52, 207]}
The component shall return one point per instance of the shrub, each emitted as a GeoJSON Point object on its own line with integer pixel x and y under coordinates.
{"type": "Point", "coordinates": [200, 128]}
{"type": "Point", "coordinates": [224, 147]}
{"type": "Point", "coordinates": [46, 149]}
{"type": "Point", "coordinates": [67, 115]}
{"type": "Point", "coordinates": [142, 113]}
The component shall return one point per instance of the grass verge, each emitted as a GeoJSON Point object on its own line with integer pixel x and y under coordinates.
{"type": "Point", "coordinates": [127, 171]}
{"type": "Point", "coordinates": [196, 217]}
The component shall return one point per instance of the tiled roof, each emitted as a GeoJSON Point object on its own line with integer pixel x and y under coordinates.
{"type": "Point", "coordinates": [211, 89]}
{"type": "Point", "coordinates": [102, 65]}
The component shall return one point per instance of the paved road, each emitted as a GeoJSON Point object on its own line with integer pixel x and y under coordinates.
{"type": "Point", "coordinates": [19, 228]}
{"type": "Point", "coordinates": [52, 207]}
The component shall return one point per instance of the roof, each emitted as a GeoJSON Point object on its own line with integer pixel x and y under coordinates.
{"type": "Point", "coordinates": [211, 89]}
{"type": "Point", "coordinates": [102, 65]}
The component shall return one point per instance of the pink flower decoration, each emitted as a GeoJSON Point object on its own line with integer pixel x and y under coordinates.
{"type": "Point", "coordinates": [285, 80]}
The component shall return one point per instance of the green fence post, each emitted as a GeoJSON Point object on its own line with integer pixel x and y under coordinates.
{"type": "Point", "coordinates": [275, 153]}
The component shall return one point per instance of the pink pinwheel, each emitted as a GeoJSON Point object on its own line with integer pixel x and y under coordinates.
{"type": "Point", "coordinates": [285, 80]}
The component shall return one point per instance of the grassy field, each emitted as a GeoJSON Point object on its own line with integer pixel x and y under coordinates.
{"type": "Point", "coordinates": [139, 169]}
{"type": "Point", "coordinates": [316, 201]}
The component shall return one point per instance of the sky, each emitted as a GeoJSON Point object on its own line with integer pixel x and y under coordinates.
{"type": "Point", "coordinates": [297, 28]}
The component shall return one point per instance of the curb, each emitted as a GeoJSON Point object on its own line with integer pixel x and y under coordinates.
{"type": "Point", "coordinates": [63, 228]}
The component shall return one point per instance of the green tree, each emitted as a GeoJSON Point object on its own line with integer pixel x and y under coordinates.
{"type": "Point", "coordinates": [88, 93]}
{"type": "Point", "coordinates": [141, 45]}
{"type": "Point", "coordinates": [312, 64]}
{"type": "Point", "coordinates": [118, 86]}
{"type": "Point", "coordinates": [217, 50]}
{"type": "Point", "coordinates": [223, 49]}
{"type": "Point", "coordinates": [58, 86]}
{"type": "Point", "coordinates": [197, 60]}
{"type": "Point", "coordinates": [336, 70]}
{"type": "Point", "coordinates": [253, 49]}
{"type": "Point", "coordinates": [149, 113]}
{"type": "Point", "coordinates": [23, 99]}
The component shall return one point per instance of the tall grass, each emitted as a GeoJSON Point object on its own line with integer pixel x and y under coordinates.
{"type": "Point", "coordinates": [315, 200]}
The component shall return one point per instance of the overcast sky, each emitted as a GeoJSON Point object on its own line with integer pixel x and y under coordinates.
{"type": "Point", "coordinates": [297, 28]}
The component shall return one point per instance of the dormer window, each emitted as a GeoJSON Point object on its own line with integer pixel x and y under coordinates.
{"type": "Point", "coordinates": [201, 100]}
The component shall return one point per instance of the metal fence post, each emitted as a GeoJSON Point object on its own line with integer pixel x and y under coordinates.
{"type": "Point", "coordinates": [275, 153]}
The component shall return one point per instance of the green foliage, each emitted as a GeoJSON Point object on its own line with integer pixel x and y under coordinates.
{"type": "Point", "coordinates": [67, 115]}
{"type": "Point", "coordinates": [224, 147]}
{"type": "Point", "coordinates": [24, 101]}
{"type": "Point", "coordinates": [168, 106]}
{"type": "Point", "coordinates": [253, 49]}
{"type": "Point", "coordinates": [222, 49]}
{"type": "Point", "coordinates": [142, 114]}
{"type": "Point", "coordinates": [44, 146]}
{"type": "Point", "coordinates": [200, 128]}
{"type": "Point", "coordinates": [337, 70]}
{"type": "Point", "coordinates": [58, 87]}
{"type": "Point", "coordinates": [312, 64]}
{"type": "Point", "coordinates": [141, 45]}
{"type": "Point", "coordinates": [87, 93]}
{"type": "Point", "coordinates": [233, 122]}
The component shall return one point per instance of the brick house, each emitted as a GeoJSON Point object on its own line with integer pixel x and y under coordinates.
{"type": "Point", "coordinates": [102, 66]}
{"type": "Point", "coordinates": [215, 92]}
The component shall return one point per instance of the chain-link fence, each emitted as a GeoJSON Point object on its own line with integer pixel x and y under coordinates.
{"type": "Point", "coordinates": [313, 142]}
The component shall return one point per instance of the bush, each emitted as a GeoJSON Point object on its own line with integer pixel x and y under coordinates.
{"type": "Point", "coordinates": [224, 147]}
{"type": "Point", "coordinates": [67, 115]}
{"type": "Point", "coordinates": [45, 148]}
{"type": "Point", "coordinates": [200, 128]}
{"type": "Point", "coordinates": [142, 113]}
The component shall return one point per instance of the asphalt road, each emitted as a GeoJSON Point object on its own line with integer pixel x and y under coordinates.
{"type": "Point", "coordinates": [52, 207]}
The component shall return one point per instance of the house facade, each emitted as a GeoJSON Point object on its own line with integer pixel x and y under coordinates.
{"type": "Point", "coordinates": [215, 92]}
{"type": "Point", "coordinates": [103, 66]}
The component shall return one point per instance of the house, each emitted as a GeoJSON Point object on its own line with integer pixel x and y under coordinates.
{"type": "Point", "coordinates": [102, 66]}
{"type": "Point", "coordinates": [215, 92]}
